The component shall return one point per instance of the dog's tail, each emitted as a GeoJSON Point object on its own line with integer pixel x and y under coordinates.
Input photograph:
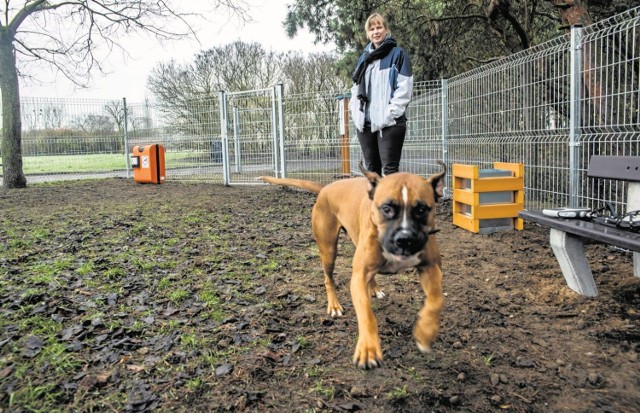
{"type": "Point", "coordinates": [312, 186]}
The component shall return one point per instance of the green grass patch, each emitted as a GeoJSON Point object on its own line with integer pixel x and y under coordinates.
{"type": "Point", "coordinates": [209, 295]}
{"type": "Point", "coordinates": [73, 163]}
{"type": "Point", "coordinates": [40, 326]}
{"type": "Point", "coordinates": [164, 283]}
{"type": "Point", "coordinates": [98, 162]}
{"type": "Point", "coordinates": [189, 341]}
{"type": "Point", "coordinates": [268, 267]}
{"type": "Point", "coordinates": [398, 393]}
{"type": "Point", "coordinates": [55, 356]}
{"type": "Point", "coordinates": [36, 398]}
{"type": "Point", "coordinates": [115, 273]}
{"type": "Point", "coordinates": [320, 387]}
{"type": "Point", "coordinates": [85, 269]}
{"type": "Point", "coordinates": [178, 296]}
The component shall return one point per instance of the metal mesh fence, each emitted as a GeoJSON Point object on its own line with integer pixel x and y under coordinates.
{"type": "Point", "coordinates": [550, 107]}
{"type": "Point", "coordinates": [189, 131]}
{"type": "Point", "coordinates": [610, 108]}
{"type": "Point", "coordinates": [64, 138]}
{"type": "Point", "coordinates": [251, 135]}
{"type": "Point", "coordinates": [313, 140]}
{"type": "Point", "coordinates": [424, 140]}
{"type": "Point", "coordinates": [316, 143]}
{"type": "Point", "coordinates": [79, 139]}
{"type": "Point", "coordinates": [515, 110]}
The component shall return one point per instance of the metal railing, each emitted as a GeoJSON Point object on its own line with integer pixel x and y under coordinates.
{"type": "Point", "coordinates": [550, 107]}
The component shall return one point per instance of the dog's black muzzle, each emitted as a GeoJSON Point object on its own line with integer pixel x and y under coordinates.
{"type": "Point", "coordinates": [405, 242]}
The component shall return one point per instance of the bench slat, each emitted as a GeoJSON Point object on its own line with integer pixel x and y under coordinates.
{"type": "Point", "coordinates": [587, 229]}
{"type": "Point", "coordinates": [625, 168]}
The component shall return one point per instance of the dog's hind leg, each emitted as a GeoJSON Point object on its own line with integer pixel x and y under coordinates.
{"type": "Point", "coordinates": [326, 230]}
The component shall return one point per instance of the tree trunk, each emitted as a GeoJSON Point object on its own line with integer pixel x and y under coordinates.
{"type": "Point", "coordinates": [12, 176]}
{"type": "Point", "coordinates": [574, 12]}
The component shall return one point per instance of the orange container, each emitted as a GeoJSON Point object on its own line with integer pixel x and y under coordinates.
{"type": "Point", "coordinates": [148, 164]}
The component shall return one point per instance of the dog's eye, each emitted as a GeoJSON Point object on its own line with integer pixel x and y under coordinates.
{"type": "Point", "coordinates": [388, 211]}
{"type": "Point", "coordinates": [421, 210]}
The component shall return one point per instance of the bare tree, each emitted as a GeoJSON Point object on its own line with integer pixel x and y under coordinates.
{"type": "Point", "coordinates": [307, 80]}
{"type": "Point", "coordinates": [242, 66]}
{"type": "Point", "coordinates": [188, 94]}
{"type": "Point", "coordinates": [115, 111]}
{"type": "Point", "coordinates": [95, 124]}
{"type": "Point", "coordinates": [313, 73]}
{"type": "Point", "coordinates": [48, 117]}
{"type": "Point", "coordinates": [67, 35]}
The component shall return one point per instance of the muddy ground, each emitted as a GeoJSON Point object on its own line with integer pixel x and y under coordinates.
{"type": "Point", "coordinates": [117, 296]}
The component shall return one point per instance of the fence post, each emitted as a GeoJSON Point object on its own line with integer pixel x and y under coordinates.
{"type": "Point", "coordinates": [281, 129]}
{"type": "Point", "coordinates": [274, 133]}
{"type": "Point", "coordinates": [126, 138]}
{"type": "Point", "coordinates": [345, 150]}
{"type": "Point", "coordinates": [236, 139]}
{"type": "Point", "coordinates": [224, 128]}
{"type": "Point", "coordinates": [444, 92]}
{"type": "Point", "coordinates": [574, 114]}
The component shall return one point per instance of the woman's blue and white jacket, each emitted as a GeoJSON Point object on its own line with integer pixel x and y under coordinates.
{"type": "Point", "coordinates": [389, 88]}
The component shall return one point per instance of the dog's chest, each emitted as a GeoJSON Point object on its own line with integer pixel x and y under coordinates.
{"type": "Point", "coordinates": [394, 265]}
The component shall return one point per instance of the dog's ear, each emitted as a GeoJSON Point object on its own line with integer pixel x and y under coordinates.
{"type": "Point", "coordinates": [372, 177]}
{"type": "Point", "coordinates": [437, 181]}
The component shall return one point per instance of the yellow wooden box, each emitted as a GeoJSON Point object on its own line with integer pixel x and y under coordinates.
{"type": "Point", "coordinates": [473, 212]}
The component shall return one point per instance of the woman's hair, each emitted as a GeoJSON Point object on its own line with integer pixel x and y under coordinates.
{"type": "Point", "coordinates": [375, 18]}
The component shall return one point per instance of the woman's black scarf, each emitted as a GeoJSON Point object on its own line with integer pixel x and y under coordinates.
{"type": "Point", "coordinates": [358, 77]}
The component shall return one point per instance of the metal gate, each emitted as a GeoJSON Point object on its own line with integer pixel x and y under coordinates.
{"type": "Point", "coordinates": [252, 133]}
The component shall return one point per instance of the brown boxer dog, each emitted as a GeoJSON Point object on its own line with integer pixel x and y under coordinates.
{"type": "Point", "coordinates": [391, 221]}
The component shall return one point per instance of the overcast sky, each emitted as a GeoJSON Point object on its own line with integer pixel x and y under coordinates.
{"type": "Point", "coordinates": [128, 76]}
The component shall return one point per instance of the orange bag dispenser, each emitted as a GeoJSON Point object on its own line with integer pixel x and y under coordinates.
{"type": "Point", "coordinates": [148, 164]}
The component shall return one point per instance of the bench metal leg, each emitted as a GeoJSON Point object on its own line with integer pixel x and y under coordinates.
{"type": "Point", "coordinates": [633, 204]}
{"type": "Point", "coordinates": [569, 251]}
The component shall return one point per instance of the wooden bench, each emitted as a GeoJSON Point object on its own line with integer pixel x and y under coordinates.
{"type": "Point", "coordinates": [567, 236]}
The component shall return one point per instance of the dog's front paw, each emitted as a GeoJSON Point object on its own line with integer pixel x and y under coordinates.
{"type": "Point", "coordinates": [375, 290]}
{"type": "Point", "coordinates": [379, 293]}
{"type": "Point", "coordinates": [368, 354]}
{"type": "Point", "coordinates": [423, 348]}
{"type": "Point", "coordinates": [335, 310]}
{"type": "Point", "coordinates": [425, 335]}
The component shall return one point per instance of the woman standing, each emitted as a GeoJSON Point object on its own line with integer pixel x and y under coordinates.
{"type": "Point", "coordinates": [383, 84]}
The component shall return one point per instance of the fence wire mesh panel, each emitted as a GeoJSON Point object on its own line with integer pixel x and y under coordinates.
{"type": "Point", "coordinates": [423, 144]}
{"type": "Point", "coordinates": [72, 139]}
{"type": "Point", "coordinates": [251, 133]}
{"type": "Point", "coordinates": [189, 132]}
{"type": "Point", "coordinates": [322, 144]}
{"type": "Point", "coordinates": [610, 108]}
{"type": "Point", "coordinates": [314, 146]}
{"type": "Point", "coordinates": [515, 110]}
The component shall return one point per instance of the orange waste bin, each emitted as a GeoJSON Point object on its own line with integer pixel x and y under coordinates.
{"type": "Point", "coordinates": [148, 164]}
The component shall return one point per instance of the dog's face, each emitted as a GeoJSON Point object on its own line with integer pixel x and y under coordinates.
{"type": "Point", "coordinates": [403, 211]}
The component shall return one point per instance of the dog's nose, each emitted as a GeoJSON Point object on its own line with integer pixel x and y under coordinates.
{"type": "Point", "coordinates": [404, 239]}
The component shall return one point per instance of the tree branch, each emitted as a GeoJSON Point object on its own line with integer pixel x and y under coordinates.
{"type": "Point", "coordinates": [40, 29]}
{"type": "Point", "coordinates": [453, 17]}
